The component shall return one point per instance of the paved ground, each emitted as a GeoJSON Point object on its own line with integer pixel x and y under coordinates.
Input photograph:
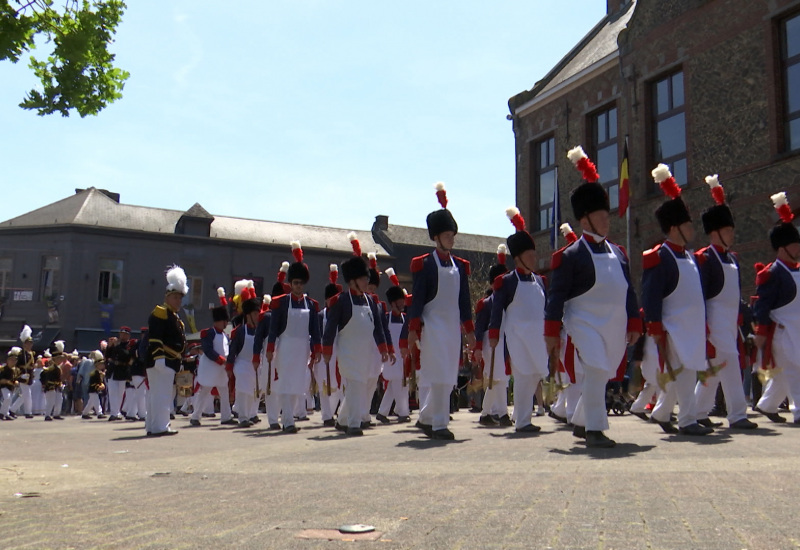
{"type": "Point", "coordinates": [104, 485]}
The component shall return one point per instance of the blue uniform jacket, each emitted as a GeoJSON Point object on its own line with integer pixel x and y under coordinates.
{"type": "Point", "coordinates": [237, 342]}
{"type": "Point", "coordinates": [774, 288]}
{"type": "Point", "coordinates": [339, 314]}
{"type": "Point", "coordinates": [712, 277]}
{"type": "Point", "coordinates": [573, 275]}
{"type": "Point", "coordinates": [207, 343]}
{"type": "Point", "coordinates": [280, 314]}
{"type": "Point", "coordinates": [505, 288]}
{"type": "Point", "coordinates": [262, 332]}
{"type": "Point", "coordinates": [425, 285]}
{"type": "Point", "coordinates": [659, 280]}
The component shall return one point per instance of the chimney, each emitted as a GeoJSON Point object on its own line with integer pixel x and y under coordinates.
{"type": "Point", "coordinates": [614, 6]}
{"type": "Point", "coordinates": [381, 222]}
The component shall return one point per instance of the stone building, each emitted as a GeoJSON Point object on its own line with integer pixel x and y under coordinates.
{"type": "Point", "coordinates": [704, 86]}
{"type": "Point", "coordinates": [87, 264]}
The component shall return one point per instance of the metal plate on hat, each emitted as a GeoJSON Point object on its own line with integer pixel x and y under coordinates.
{"type": "Point", "coordinates": [356, 528]}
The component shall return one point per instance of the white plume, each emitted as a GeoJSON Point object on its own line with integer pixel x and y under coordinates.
{"type": "Point", "coordinates": [661, 173]}
{"type": "Point", "coordinates": [285, 267]}
{"type": "Point", "coordinates": [576, 154]}
{"type": "Point", "coordinates": [26, 333]}
{"type": "Point", "coordinates": [177, 281]}
{"type": "Point", "coordinates": [779, 199]}
{"type": "Point", "coordinates": [712, 181]}
{"type": "Point", "coordinates": [566, 229]}
{"type": "Point", "coordinates": [439, 186]}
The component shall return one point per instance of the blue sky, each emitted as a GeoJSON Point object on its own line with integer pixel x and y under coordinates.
{"type": "Point", "coordinates": [310, 111]}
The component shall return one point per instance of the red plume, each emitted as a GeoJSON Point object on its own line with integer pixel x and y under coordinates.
{"type": "Point", "coordinates": [297, 251]}
{"type": "Point", "coordinates": [392, 276]}
{"type": "Point", "coordinates": [373, 261]}
{"type": "Point", "coordinates": [586, 167]}
{"type": "Point", "coordinates": [334, 273]}
{"type": "Point", "coordinates": [354, 243]}
{"type": "Point", "coordinates": [516, 218]}
{"type": "Point", "coordinates": [663, 177]}
{"type": "Point", "coordinates": [717, 192]}
{"type": "Point", "coordinates": [781, 205]}
{"type": "Point", "coordinates": [223, 301]}
{"type": "Point", "coordinates": [502, 250]}
{"type": "Point", "coordinates": [441, 194]}
{"type": "Point", "coordinates": [282, 273]}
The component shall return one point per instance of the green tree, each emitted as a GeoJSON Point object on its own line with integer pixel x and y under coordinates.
{"type": "Point", "coordinates": [79, 72]}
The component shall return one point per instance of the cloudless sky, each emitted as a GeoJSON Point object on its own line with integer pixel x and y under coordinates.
{"type": "Point", "coordinates": [317, 112]}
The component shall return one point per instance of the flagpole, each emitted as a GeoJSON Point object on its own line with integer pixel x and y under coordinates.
{"type": "Point", "coordinates": [628, 228]}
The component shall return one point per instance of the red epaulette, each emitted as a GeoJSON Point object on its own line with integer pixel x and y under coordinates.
{"type": "Point", "coordinates": [418, 262]}
{"type": "Point", "coordinates": [467, 267]}
{"type": "Point", "coordinates": [276, 302]}
{"type": "Point", "coordinates": [204, 332]}
{"type": "Point", "coordinates": [555, 260]}
{"type": "Point", "coordinates": [651, 258]}
{"type": "Point", "coordinates": [314, 303]}
{"type": "Point", "coordinates": [763, 276]}
{"type": "Point", "coordinates": [335, 299]}
{"type": "Point", "coordinates": [479, 305]}
{"type": "Point", "coordinates": [622, 249]}
{"type": "Point", "coordinates": [700, 256]}
{"type": "Point", "coordinates": [497, 284]}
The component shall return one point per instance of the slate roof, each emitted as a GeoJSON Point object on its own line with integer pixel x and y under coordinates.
{"type": "Point", "coordinates": [418, 236]}
{"type": "Point", "coordinates": [597, 45]}
{"type": "Point", "coordinates": [92, 208]}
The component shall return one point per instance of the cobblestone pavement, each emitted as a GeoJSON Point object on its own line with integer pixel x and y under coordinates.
{"type": "Point", "coordinates": [105, 485]}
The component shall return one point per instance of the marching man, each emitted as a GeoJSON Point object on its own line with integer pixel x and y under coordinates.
{"type": "Point", "coordinates": [166, 342]}
{"type": "Point", "coordinates": [442, 304]}
{"type": "Point", "coordinates": [495, 400]}
{"type": "Point", "coordinates": [674, 310]}
{"type": "Point", "coordinates": [8, 382]}
{"type": "Point", "coordinates": [97, 384]}
{"type": "Point", "coordinates": [325, 372]}
{"type": "Point", "coordinates": [211, 372]}
{"type": "Point", "coordinates": [518, 304]}
{"type": "Point", "coordinates": [592, 294]}
{"type": "Point", "coordinates": [353, 324]}
{"type": "Point", "coordinates": [239, 361]}
{"type": "Point", "coordinates": [719, 273]}
{"type": "Point", "coordinates": [26, 363]}
{"type": "Point", "coordinates": [51, 383]}
{"type": "Point", "coordinates": [294, 340]}
{"type": "Point", "coordinates": [777, 314]}
{"type": "Point", "coordinates": [394, 371]}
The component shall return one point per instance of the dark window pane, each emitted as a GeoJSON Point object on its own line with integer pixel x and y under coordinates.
{"type": "Point", "coordinates": [601, 134]}
{"type": "Point", "coordinates": [794, 134]}
{"type": "Point", "coordinates": [607, 164]}
{"type": "Point", "coordinates": [550, 153]}
{"type": "Point", "coordinates": [544, 219]}
{"type": "Point", "coordinates": [679, 172]}
{"type": "Point", "coordinates": [662, 96]}
{"type": "Point", "coordinates": [670, 137]}
{"type": "Point", "coordinates": [543, 154]}
{"type": "Point", "coordinates": [612, 124]}
{"type": "Point", "coordinates": [677, 90]}
{"type": "Point", "coordinates": [793, 36]}
{"type": "Point", "coordinates": [546, 187]}
{"type": "Point", "coordinates": [613, 196]}
{"type": "Point", "coordinates": [793, 88]}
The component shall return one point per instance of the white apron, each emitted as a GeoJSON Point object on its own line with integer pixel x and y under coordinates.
{"type": "Point", "coordinates": [524, 329]}
{"type": "Point", "coordinates": [722, 311]}
{"type": "Point", "coordinates": [684, 316]}
{"type": "Point", "coordinates": [354, 343]}
{"type": "Point", "coordinates": [597, 320]}
{"type": "Point", "coordinates": [243, 365]}
{"type": "Point", "coordinates": [440, 343]}
{"type": "Point", "coordinates": [394, 372]}
{"type": "Point", "coordinates": [787, 319]}
{"type": "Point", "coordinates": [209, 373]}
{"type": "Point", "coordinates": [292, 351]}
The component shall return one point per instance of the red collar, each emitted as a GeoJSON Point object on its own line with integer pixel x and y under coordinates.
{"type": "Point", "coordinates": [674, 247]}
{"type": "Point", "coordinates": [519, 270]}
{"type": "Point", "coordinates": [443, 258]}
{"type": "Point", "coordinates": [792, 265]}
{"type": "Point", "coordinates": [591, 239]}
{"type": "Point", "coordinates": [354, 292]}
{"type": "Point", "coordinates": [719, 249]}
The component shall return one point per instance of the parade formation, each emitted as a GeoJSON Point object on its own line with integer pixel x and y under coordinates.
{"type": "Point", "coordinates": [566, 343]}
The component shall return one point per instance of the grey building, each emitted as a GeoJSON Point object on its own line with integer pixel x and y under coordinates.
{"type": "Point", "coordinates": [79, 268]}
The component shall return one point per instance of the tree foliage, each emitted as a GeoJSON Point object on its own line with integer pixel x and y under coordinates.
{"type": "Point", "coordinates": [79, 72]}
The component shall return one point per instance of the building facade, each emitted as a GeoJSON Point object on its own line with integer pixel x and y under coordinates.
{"type": "Point", "coordinates": [704, 86]}
{"type": "Point", "coordinates": [79, 268]}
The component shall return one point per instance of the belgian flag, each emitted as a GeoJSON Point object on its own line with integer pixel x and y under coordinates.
{"type": "Point", "coordinates": [624, 185]}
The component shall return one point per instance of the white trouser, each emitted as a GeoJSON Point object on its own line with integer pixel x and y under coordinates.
{"type": "Point", "coordinates": [321, 375]}
{"type": "Point", "coordinates": [116, 392]}
{"type": "Point", "coordinates": [203, 397]}
{"type": "Point", "coordinates": [352, 412]}
{"type": "Point", "coordinates": [288, 403]}
{"type": "Point", "coordinates": [425, 415]}
{"type": "Point", "coordinates": [93, 402]}
{"type": "Point", "coordinates": [325, 402]}
{"type": "Point", "coordinates": [366, 403]}
{"type": "Point", "coordinates": [730, 377]}
{"type": "Point", "coordinates": [784, 383]}
{"type": "Point", "coordinates": [247, 406]}
{"type": "Point", "coordinates": [682, 392]}
{"type": "Point", "coordinates": [495, 400]}
{"type": "Point", "coordinates": [6, 406]}
{"type": "Point", "coordinates": [397, 393]}
{"type": "Point", "coordinates": [272, 403]}
{"type": "Point", "coordinates": [300, 406]}
{"type": "Point", "coordinates": [136, 398]}
{"type": "Point", "coordinates": [524, 388]}
{"type": "Point", "coordinates": [645, 396]}
{"type": "Point", "coordinates": [438, 406]}
{"type": "Point", "coordinates": [335, 399]}
{"type": "Point", "coordinates": [37, 394]}
{"type": "Point", "coordinates": [590, 410]}
{"type": "Point", "coordinates": [53, 400]}
{"type": "Point", "coordinates": [159, 397]}
{"type": "Point", "coordinates": [25, 400]}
